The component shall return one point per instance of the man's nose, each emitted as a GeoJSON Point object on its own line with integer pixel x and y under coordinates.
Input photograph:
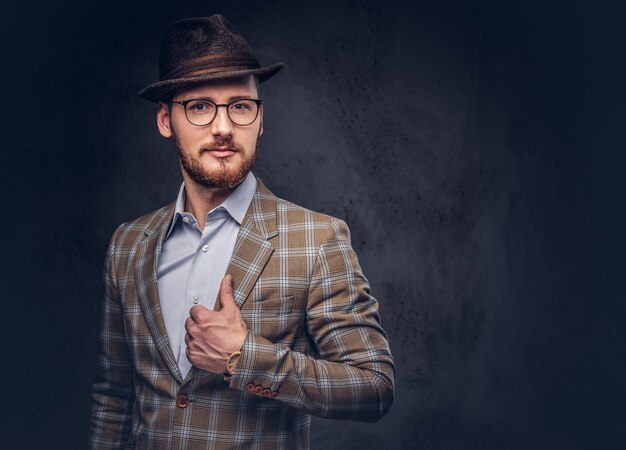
{"type": "Point", "coordinates": [221, 125]}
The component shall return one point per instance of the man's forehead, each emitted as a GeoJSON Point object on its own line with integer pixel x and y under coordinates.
{"type": "Point", "coordinates": [223, 88]}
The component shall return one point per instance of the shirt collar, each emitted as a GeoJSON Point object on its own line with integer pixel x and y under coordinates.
{"type": "Point", "coordinates": [236, 204]}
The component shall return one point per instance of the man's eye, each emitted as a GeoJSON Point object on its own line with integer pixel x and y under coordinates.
{"type": "Point", "coordinates": [240, 107]}
{"type": "Point", "coordinates": [199, 107]}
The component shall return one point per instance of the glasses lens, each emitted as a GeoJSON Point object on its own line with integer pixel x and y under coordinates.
{"type": "Point", "coordinates": [200, 112]}
{"type": "Point", "coordinates": [243, 112]}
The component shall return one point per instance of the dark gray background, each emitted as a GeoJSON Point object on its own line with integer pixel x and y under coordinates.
{"type": "Point", "coordinates": [476, 150]}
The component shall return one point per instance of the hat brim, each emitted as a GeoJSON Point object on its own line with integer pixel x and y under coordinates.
{"type": "Point", "coordinates": [157, 91]}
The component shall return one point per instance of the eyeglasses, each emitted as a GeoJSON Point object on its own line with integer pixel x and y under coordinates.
{"type": "Point", "coordinates": [201, 112]}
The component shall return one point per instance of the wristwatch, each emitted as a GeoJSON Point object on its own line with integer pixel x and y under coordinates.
{"type": "Point", "coordinates": [231, 362]}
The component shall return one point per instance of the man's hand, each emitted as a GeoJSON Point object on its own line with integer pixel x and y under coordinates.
{"type": "Point", "coordinates": [213, 335]}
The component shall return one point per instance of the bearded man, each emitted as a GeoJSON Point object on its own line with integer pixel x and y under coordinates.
{"type": "Point", "coordinates": [230, 315]}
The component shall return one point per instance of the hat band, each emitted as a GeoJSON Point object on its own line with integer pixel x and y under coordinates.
{"type": "Point", "coordinates": [220, 62]}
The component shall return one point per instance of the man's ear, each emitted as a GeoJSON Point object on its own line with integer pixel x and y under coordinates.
{"type": "Point", "coordinates": [261, 119]}
{"type": "Point", "coordinates": [163, 120]}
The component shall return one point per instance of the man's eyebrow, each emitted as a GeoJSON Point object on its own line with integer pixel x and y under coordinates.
{"type": "Point", "coordinates": [236, 97]}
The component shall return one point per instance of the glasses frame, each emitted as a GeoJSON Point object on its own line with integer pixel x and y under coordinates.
{"type": "Point", "coordinates": [184, 104]}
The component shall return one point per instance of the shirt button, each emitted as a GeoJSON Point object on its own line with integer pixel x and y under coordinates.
{"type": "Point", "coordinates": [186, 219]}
{"type": "Point", "coordinates": [205, 248]}
{"type": "Point", "coordinates": [196, 299]}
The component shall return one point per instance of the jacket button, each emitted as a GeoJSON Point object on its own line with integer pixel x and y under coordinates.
{"type": "Point", "coordinates": [266, 392]}
{"type": "Point", "coordinates": [258, 389]}
{"type": "Point", "coordinates": [274, 394]}
{"type": "Point", "coordinates": [250, 387]}
{"type": "Point", "coordinates": [182, 401]}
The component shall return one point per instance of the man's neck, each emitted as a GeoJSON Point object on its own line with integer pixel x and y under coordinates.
{"type": "Point", "coordinates": [199, 200]}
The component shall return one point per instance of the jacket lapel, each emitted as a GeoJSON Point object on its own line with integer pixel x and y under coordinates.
{"type": "Point", "coordinates": [148, 251]}
{"type": "Point", "coordinates": [252, 248]}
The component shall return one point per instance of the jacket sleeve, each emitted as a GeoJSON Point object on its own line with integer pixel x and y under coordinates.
{"type": "Point", "coordinates": [353, 378]}
{"type": "Point", "coordinates": [112, 390]}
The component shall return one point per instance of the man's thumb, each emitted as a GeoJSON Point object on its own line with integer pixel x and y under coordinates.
{"type": "Point", "coordinates": [226, 292]}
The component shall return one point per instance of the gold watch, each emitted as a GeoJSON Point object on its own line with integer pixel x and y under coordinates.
{"type": "Point", "coordinates": [231, 362]}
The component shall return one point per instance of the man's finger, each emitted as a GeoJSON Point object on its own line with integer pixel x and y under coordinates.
{"type": "Point", "coordinates": [191, 327]}
{"type": "Point", "coordinates": [227, 299]}
{"type": "Point", "coordinates": [199, 313]}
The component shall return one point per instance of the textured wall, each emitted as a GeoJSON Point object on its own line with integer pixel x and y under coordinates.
{"type": "Point", "coordinates": [474, 148]}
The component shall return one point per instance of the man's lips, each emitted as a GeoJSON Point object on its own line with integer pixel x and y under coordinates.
{"type": "Point", "coordinates": [221, 152]}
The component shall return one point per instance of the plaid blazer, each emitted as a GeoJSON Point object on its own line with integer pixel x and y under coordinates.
{"type": "Point", "coordinates": [315, 344]}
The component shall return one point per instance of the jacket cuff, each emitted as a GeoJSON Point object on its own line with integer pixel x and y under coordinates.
{"type": "Point", "coordinates": [258, 367]}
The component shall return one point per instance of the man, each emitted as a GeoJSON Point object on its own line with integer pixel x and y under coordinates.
{"type": "Point", "coordinates": [230, 316]}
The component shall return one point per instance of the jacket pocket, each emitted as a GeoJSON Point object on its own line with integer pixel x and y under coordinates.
{"type": "Point", "coordinates": [273, 306]}
{"type": "Point", "coordinates": [277, 319]}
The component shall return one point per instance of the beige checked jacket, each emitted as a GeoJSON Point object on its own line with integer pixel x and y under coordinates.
{"type": "Point", "coordinates": [315, 344]}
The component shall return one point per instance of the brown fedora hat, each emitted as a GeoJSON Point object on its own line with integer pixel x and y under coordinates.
{"type": "Point", "coordinates": [201, 49]}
